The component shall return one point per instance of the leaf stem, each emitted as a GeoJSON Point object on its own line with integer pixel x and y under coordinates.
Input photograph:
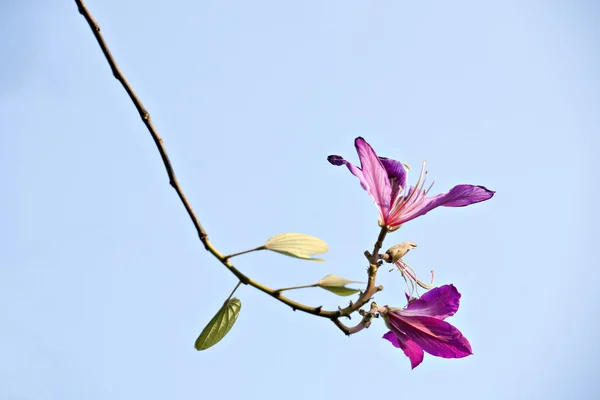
{"type": "Point", "coordinates": [227, 257]}
{"type": "Point", "coordinates": [297, 287]}
{"type": "Point", "coordinates": [233, 291]}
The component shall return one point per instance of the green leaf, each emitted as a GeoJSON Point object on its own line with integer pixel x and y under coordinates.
{"type": "Point", "coordinates": [341, 291]}
{"type": "Point", "coordinates": [337, 284]}
{"type": "Point", "coordinates": [219, 325]}
{"type": "Point", "coordinates": [297, 245]}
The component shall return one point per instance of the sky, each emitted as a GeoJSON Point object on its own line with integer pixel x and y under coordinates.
{"type": "Point", "coordinates": [104, 285]}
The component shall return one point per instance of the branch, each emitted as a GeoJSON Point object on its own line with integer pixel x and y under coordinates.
{"type": "Point", "coordinates": [370, 290]}
{"type": "Point", "coordinates": [145, 117]}
{"type": "Point", "coordinates": [364, 323]}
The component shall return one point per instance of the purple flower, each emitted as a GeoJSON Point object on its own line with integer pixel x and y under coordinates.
{"type": "Point", "coordinates": [385, 180]}
{"type": "Point", "coordinates": [421, 327]}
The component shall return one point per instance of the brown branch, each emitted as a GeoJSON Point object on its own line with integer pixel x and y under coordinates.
{"type": "Point", "coordinates": [364, 323]}
{"type": "Point", "coordinates": [144, 115]}
{"type": "Point", "coordinates": [370, 290]}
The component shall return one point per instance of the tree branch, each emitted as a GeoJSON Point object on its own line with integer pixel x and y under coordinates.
{"type": "Point", "coordinates": [145, 115]}
{"type": "Point", "coordinates": [370, 290]}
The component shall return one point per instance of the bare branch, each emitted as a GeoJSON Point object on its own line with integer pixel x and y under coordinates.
{"type": "Point", "coordinates": [370, 290]}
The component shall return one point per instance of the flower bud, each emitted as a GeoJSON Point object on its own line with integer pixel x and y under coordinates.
{"type": "Point", "coordinates": [398, 251]}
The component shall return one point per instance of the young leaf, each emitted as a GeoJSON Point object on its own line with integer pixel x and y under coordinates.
{"type": "Point", "coordinates": [297, 245]}
{"type": "Point", "coordinates": [219, 325]}
{"type": "Point", "coordinates": [337, 285]}
{"type": "Point", "coordinates": [341, 291]}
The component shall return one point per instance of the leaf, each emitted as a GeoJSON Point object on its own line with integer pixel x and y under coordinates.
{"type": "Point", "coordinates": [297, 245]}
{"type": "Point", "coordinates": [337, 285]}
{"type": "Point", "coordinates": [341, 291]}
{"type": "Point", "coordinates": [219, 325]}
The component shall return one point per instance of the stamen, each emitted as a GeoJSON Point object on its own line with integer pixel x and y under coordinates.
{"type": "Point", "coordinates": [406, 198]}
{"type": "Point", "coordinates": [402, 268]}
{"type": "Point", "coordinates": [425, 179]}
{"type": "Point", "coordinates": [410, 288]}
{"type": "Point", "coordinates": [424, 285]}
{"type": "Point", "coordinates": [430, 186]}
{"type": "Point", "coordinates": [421, 175]}
{"type": "Point", "coordinates": [408, 270]}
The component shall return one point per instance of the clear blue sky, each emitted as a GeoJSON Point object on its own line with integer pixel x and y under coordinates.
{"type": "Point", "coordinates": [104, 285]}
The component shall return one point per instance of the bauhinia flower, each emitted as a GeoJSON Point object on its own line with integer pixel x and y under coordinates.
{"type": "Point", "coordinates": [421, 327]}
{"type": "Point", "coordinates": [385, 180]}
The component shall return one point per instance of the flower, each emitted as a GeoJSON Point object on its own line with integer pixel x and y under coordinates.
{"type": "Point", "coordinates": [421, 327]}
{"type": "Point", "coordinates": [385, 180]}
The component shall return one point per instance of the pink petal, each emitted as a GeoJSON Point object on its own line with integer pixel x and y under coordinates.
{"type": "Point", "coordinates": [440, 302]}
{"type": "Point", "coordinates": [411, 349]}
{"type": "Point", "coordinates": [433, 335]}
{"type": "Point", "coordinates": [458, 196]}
{"type": "Point", "coordinates": [392, 338]}
{"type": "Point", "coordinates": [374, 176]}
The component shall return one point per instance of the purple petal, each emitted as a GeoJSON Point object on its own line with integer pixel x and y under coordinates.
{"type": "Point", "coordinates": [396, 175]}
{"type": "Point", "coordinates": [458, 196]}
{"type": "Point", "coordinates": [411, 349]}
{"type": "Point", "coordinates": [440, 302]}
{"type": "Point", "coordinates": [374, 175]}
{"type": "Point", "coordinates": [337, 160]}
{"type": "Point", "coordinates": [463, 195]}
{"type": "Point", "coordinates": [392, 338]}
{"type": "Point", "coordinates": [433, 335]}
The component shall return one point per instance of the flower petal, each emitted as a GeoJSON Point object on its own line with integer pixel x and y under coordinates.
{"type": "Point", "coordinates": [396, 175]}
{"type": "Point", "coordinates": [464, 195]}
{"type": "Point", "coordinates": [392, 338]}
{"type": "Point", "coordinates": [458, 196]}
{"type": "Point", "coordinates": [374, 175]}
{"type": "Point", "coordinates": [338, 160]}
{"type": "Point", "coordinates": [433, 335]}
{"type": "Point", "coordinates": [411, 349]}
{"type": "Point", "coordinates": [440, 302]}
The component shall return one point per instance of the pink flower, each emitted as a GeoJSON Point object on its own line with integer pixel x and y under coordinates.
{"type": "Point", "coordinates": [421, 327]}
{"type": "Point", "coordinates": [385, 180]}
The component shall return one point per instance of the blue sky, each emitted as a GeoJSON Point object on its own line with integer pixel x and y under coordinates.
{"type": "Point", "coordinates": [104, 286]}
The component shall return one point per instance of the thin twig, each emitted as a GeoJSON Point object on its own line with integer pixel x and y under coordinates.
{"type": "Point", "coordinates": [145, 117]}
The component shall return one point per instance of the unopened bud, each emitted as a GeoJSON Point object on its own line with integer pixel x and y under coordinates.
{"type": "Point", "coordinates": [398, 251]}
